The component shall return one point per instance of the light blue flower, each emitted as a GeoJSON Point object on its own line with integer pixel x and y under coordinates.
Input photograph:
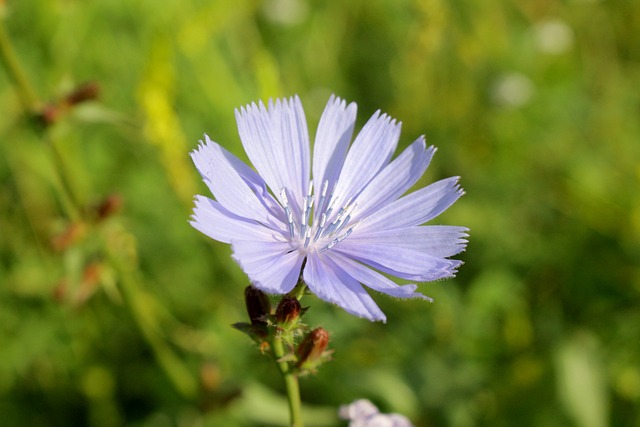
{"type": "Point", "coordinates": [337, 216]}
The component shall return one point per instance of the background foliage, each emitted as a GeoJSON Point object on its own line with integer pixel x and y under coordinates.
{"type": "Point", "coordinates": [114, 311]}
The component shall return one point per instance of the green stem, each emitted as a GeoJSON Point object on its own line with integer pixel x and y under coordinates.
{"type": "Point", "coordinates": [16, 73]}
{"type": "Point", "coordinates": [299, 290]}
{"type": "Point", "coordinates": [290, 382]}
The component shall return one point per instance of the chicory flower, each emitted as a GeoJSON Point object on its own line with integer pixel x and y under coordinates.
{"type": "Point", "coordinates": [334, 216]}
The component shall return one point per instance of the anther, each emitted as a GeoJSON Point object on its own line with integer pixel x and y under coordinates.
{"type": "Point", "coordinates": [323, 220]}
{"type": "Point", "coordinates": [307, 237]}
{"type": "Point", "coordinates": [344, 236]}
{"type": "Point", "coordinates": [347, 218]}
{"type": "Point", "coordinates": [327, 247]}
{"type": "Point", "coordinates": [290, 221]}
{"type": "Point", "coordinates": [337, 240]}
{"type": "Point", "coordinates": [323, 195]}
{"type": "Point", "coordinates": [335, 224]}
{"type": "Point", "coordinates": [310, 192]}
{"type": "Point", "coordinates": [303, 220]}
{"type": "Point", "coordinates": [287, 209]}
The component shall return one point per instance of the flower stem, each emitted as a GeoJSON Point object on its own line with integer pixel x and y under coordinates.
{"type": "Point", "coordinates": [299, 290]}
{"type": "Point", "coordinates": [16, 73]}
{"type": "Point", "coordinates": [290, 381]}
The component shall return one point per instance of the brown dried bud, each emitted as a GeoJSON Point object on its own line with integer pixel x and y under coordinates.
{"type": "Point", "coordinates": [85, 92]}
{"type": "Point", "coordinates": [109, 206]}
{"type": "Point", "coordinates": [288, 311]}
{"type": "Point", "coordinates": [49, 114]}
{"type": "Point", "coordinates": [53, 111]}
{"type": "Point", "coordinates": [257, 303]}
{"type": "Point", "coordinates": [312, 347]}
{"type": "Point", "coordinates": [74, 232]}
{"type": "Point", "coordinates": [91, 277]}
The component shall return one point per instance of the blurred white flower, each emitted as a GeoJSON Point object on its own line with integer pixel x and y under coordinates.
{"type": "Point", "coordinates": [553, 36]}
{"type": "Point", "coordinates": [285, 12]}
{"type": "Point", "coordinates": [363, 413]}
{"type": "Point", "coordinates": [512, 90]}
{"type": "Point", "coordinates": [361, 408]}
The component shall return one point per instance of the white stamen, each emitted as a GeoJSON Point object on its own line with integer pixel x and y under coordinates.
{"type": "Point", "coordinates": [323, 220]}
{"type": "Point", "coordinates": [337, 222]}
{"type": "Point", "coordinates": [307, 237]}
{"type": "Point", "coordinates": [287, 209]}
{"type": "Point", "coordinates": [323, 195]}
{"type": "Point", "coordinates": [347, 218]}
{"type": "Point", "coordinates": [327, 215]}
{"type": "Point", "coordinates": [290, 220]}
{"type": "Point", "coordinates": [305, 201]}
{"type": "Point", "coordinates": [309, 206]}
{"type": "Point", "coordinates": [344, 236]}
{"type": "Point", "coordinates": [338, 240]}
{"type": "Point", "coordinates": [328, 223]}
{"type": "Point", "coordinates": [303, 220]}
{"type": "Point", "coordinates": [329, 246]}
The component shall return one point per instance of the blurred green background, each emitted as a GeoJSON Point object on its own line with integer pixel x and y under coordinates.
{"type": "Point", "coordinates": [114, 311]}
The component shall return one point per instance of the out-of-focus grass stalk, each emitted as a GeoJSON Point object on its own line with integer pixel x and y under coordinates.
{"type": "Point", "coordinates": [33, 105]}
{"type": "Point", "coordinates": [134, 299]}
{"type": "Point", "coordinates": [130, 286]}
{"type": "Point", "coordinates": [62, 182]}
{"type": "Point", "coordinates": [16, 73]}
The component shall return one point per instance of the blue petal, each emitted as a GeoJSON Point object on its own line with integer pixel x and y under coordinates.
{"type": "Point", "coordinates": [332, 141]}
{"type": "Point", "coordinates": [401, 262]}
{"type": "Point", "coordinates": [212, 219]}
{"type": "Point", "coordinates": [277, 143]}
{"type": "Point", "coordinates": [434, 240]}
{"type": "Point", "coordinates": [232, 183]}
{"type": "Point", "coordinates": [370, 152]}
{"type": "Point", "coordinates": [270, 265]}
{"type": "Point", "coordinates": [416, 208]}
{"type": "Point", "coordinates": [375, 280]}
{"type": "Point", "coordinates": [331, 283]}
{"type": "Point", "coordinates": [395, 179]}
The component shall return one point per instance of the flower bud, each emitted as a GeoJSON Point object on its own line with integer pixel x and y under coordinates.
{"type": "Point", "coordinates": [85, 92]}
{"type": "Point", "coordinates": [288, 311]}
{"type": "Point", "coordinates": [109, 206]}
{"type": "Point", "coordinates": [311, 349]}
{"type": "Point", "coordinates": [257, 303]}
{"type": "Point", "coordinates": [53, 111]}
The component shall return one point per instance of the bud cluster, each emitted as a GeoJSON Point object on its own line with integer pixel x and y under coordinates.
{"type": "Point", "coordinates": [304, 350]}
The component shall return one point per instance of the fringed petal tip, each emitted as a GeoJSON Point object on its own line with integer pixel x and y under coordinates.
{"type": "Point", "coordinates": [456, 186]}
{"type": "Point", "coordinates": [406, 292]}
{"type": "Point", "coordinates": [260, 107]}
{"type": "Point", "coordinates": [336, 101]}
{"type": "Point", "coordinates": [202, 145]}
{"type": "Point", "coordinates": [372, 316]}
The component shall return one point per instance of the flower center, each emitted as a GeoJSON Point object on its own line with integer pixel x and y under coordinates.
{"type": "Point", "coordinates": [326, 227]}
